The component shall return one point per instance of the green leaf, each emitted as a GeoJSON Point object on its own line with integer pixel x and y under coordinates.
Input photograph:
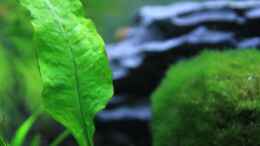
{"type": "Point", "coordinates": [23, 130]}
{"type": "Point", "coordinates": [60, 138]}
{"type": "Point", "coordinates": [77, 80]}
{"type": "Point", "coordinates": [2, 142]}
{"type": "Point", "coordinates": [36, 141]}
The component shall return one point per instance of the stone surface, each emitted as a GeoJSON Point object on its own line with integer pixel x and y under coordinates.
{"type": "Point", "coordinates": [161, 36]}
{"type": "Point", "coordinates": [164, 34]}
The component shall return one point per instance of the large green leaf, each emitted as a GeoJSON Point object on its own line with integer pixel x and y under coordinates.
{"type": "Point", "coordinates": [77, 80]}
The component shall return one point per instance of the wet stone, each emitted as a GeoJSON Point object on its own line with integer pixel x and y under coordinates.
{"type": "Point", "coordinates": [161, 36]}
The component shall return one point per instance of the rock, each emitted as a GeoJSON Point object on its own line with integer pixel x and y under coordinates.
{"type": "Point", "coordinates": [164, 34]}
{"type": "Point", "coordinates": [250, 43]}
{"type": "Point", "coordinates": [140, 112]}
{"type": "Point", "coordinates": [161, 36]}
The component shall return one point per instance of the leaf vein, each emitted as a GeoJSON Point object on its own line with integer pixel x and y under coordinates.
{"type": "Point", "coordinates": [75, 68]}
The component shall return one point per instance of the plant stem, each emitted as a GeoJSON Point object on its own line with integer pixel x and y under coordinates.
{"type": "Point", "coordinates": [60, 138]}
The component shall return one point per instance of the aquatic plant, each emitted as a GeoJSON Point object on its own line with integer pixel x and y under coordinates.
{"type": "Point", "coordinates": [211, 100]}
{"type": "Point", "coordinates": [77, 80]}
{"type": "Point", "coordinates": [2, 143]}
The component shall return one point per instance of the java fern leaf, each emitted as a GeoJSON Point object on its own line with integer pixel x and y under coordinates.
{"type": "Point", "coordinates": [77, 80]}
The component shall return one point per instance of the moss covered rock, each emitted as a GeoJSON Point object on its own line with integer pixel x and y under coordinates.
{"type": "Point", "coordinates": [211, 100]}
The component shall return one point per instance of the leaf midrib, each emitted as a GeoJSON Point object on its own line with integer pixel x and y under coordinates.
{"type": "Point", "coordinates": [75, 68]}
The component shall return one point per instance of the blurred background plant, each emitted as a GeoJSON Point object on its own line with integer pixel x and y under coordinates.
{"type": "Point", "coordinates": [20, 82]}
{"type": "Point", "coordinates": [113, 14]}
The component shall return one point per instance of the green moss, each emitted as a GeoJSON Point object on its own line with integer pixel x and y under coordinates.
{"type": "Point", "coordinates": [211, 100]}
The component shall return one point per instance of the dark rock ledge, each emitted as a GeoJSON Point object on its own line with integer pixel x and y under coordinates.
{"type": "Point", "coordinates": [163, 35]}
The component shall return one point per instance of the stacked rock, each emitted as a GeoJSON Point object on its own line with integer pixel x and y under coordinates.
{"type": "Point", "coordinates": [161, 36]}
